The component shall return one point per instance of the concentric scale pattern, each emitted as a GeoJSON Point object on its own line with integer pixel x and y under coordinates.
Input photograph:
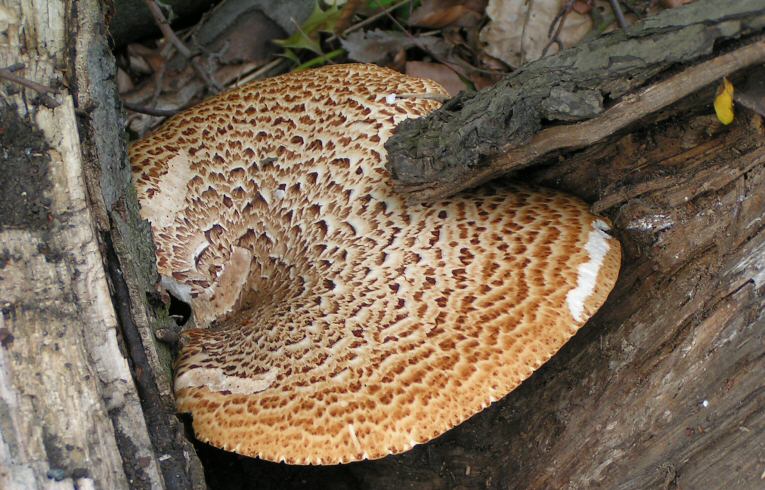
{"type": "Point", "coordinates": [343, 323]}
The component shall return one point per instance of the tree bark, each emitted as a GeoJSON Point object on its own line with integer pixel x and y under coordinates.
{"type": "Point", "coordinates": [663, 388]}
{"type": "Point", "coordinates": [475, 137]}
{"type": "Point", "coordinates": [73, 298]}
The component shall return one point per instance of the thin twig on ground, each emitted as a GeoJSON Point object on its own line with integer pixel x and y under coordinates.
{"type": "Point", "coordinates": [557, 26]}
{"type": "Point", "coordinates": [260, 71]}
{"type": "Point", "coordinates": [619, 14]}
{"type": "Point", "coordinates": [346, 14]}
{"type": "Point", "coordinates": [151, 111]}
{"type": "Point", "coordinates": [172, 38]}
{"type": "Point", "coordinates": [47, 100]}
{"type": "Point", "coordinates": [420, 45]}
{"type": "Point", "coordinates": [372, 18]}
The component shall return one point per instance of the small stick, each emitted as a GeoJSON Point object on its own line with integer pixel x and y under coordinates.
{"type": "Point", "coordinates": [346, 14]}
{"type": "Point", "coordinates": [619, 14]}
{"type": "Point", "coordinates": [631, 109]}
{"type": "Point", "coordinates": [172, 38]}
{"type": "Point", "coordinates": [151, 111]}
{"type": "Point", "coordinates": [259, 72]}
{"type": "Point", "coordinates": [559, 19]}
{"type": "Point", "coordinates": [437, 97]}
{"type": "Point", "coordinates": [420, 45]}
{"type": "Point", "coordinates": [7, 74]}
{"type": "Point", "coordinates": [369, 20]}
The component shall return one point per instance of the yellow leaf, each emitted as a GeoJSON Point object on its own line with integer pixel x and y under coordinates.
{"type": "Point", "coordinates": [724, 102]}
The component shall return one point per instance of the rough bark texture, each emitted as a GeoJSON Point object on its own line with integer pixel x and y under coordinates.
{"type": "Point", "coordinates": [73, 301]}
{"type": "Point", "coordinates": [663, 388]}
{"type": "Point", "coordinates": [460, 139]}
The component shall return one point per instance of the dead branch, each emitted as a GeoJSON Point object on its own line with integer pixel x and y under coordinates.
{"type": "Point", "coordinates": [151, 111]}
{"type": "Point", "coordinates": [477, 136]}
{"type": "Point", "coordinates": [631, 109]}
{"type": "Point", "coordinates": [172, 38]}
{"type": "Point", "coordinates": [48, 101]}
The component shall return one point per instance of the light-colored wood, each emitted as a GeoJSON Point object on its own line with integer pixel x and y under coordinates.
{"type": "Point", "coordinates": [67, 398]}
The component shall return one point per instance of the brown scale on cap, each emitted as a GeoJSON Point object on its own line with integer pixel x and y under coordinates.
{"type": "Point", "coordinates": [348, 324]}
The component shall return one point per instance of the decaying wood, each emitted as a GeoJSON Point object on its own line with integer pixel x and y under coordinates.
{"type": "Point", "coordinates": [463, 143]}
{"type": "Point", "coordinates": [630, 110]}
{"type": "Point", "coordinates": [663, 388]}
{"type": "Point", "coordinates": [70, 413]}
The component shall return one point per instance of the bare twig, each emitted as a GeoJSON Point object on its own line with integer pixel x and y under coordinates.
{"type": "Point", "coordinates": [557, 26]}
{"type": "Point", "coordinates": [346, 14]}
{"type": "Point", "coordinates": [159, 77]}
{"type": "Point", "coordinates": [631, 109]}
{"type": "Point", "coordinates": [526, 18]}
{"type": "Point", "coordinates": [560, 19]}
{"type": "Point", "coordinates": [618, 14]}
{"type": "Point", "coordinates": [151, 111]}
{"type": "Point", "coordinates": [7, 74]}
{"type": "Point", "coordinates": [260, 71]}
{"type": "Point", "coordinates": [172, 38]}
{"type": "Point", "coordinates": [633, 10]}
{"type": "Point", "coordinates": [369, 20]}
{"type": "Point", "coordinates": [438, 97]}
{"type": "Point", "coordinates": [420, 45]}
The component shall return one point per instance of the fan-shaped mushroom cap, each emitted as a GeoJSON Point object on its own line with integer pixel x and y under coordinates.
{"type": "Point", "coordinates": [350, 325]}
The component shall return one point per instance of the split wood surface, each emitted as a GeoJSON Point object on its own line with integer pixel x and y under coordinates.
{"type": "Point", "coordinates": [73, 413]}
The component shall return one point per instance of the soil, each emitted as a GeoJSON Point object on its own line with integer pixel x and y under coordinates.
{"type": "Point", "coordinates": [24, 181]}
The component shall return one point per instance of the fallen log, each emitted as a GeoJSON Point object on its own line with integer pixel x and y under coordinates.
{"type": "Point", "coordinates": [479, 136]}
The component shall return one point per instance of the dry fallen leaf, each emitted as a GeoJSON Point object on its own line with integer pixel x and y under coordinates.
{"type": "Point", "coordinates": [379, 46]}
{"type": "Point", "coordinates": [442, 13]}
{"type": "Point", "coordinates": [724, 102]}
{"type": "Point", "coordinates": [124, 82]}
{"type": "Point", "coordinates": [582, 6]}
{"type": "Point", "coordinates": [519, 30]}
{"type": "Point", "coordinates": [437, 72]}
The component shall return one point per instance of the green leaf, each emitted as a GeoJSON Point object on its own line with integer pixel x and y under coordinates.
{"type": "Point", "coordinates": [290, 55]}
{"type": "Point", "coordinates": [306, 36]}
{"type": "Point", "coordinates": [320, 60]}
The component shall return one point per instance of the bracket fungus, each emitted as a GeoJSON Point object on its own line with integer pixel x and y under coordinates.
{"type": "Point", "coordinates": [342, 323]}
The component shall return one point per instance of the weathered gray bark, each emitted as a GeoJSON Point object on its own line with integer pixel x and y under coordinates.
{"type": "Point", "coordinates": [663, 388]}
{"type": "Point", "coordinates": [72, 299]}
{"type": "Point", "coordinates": [453, 145]}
